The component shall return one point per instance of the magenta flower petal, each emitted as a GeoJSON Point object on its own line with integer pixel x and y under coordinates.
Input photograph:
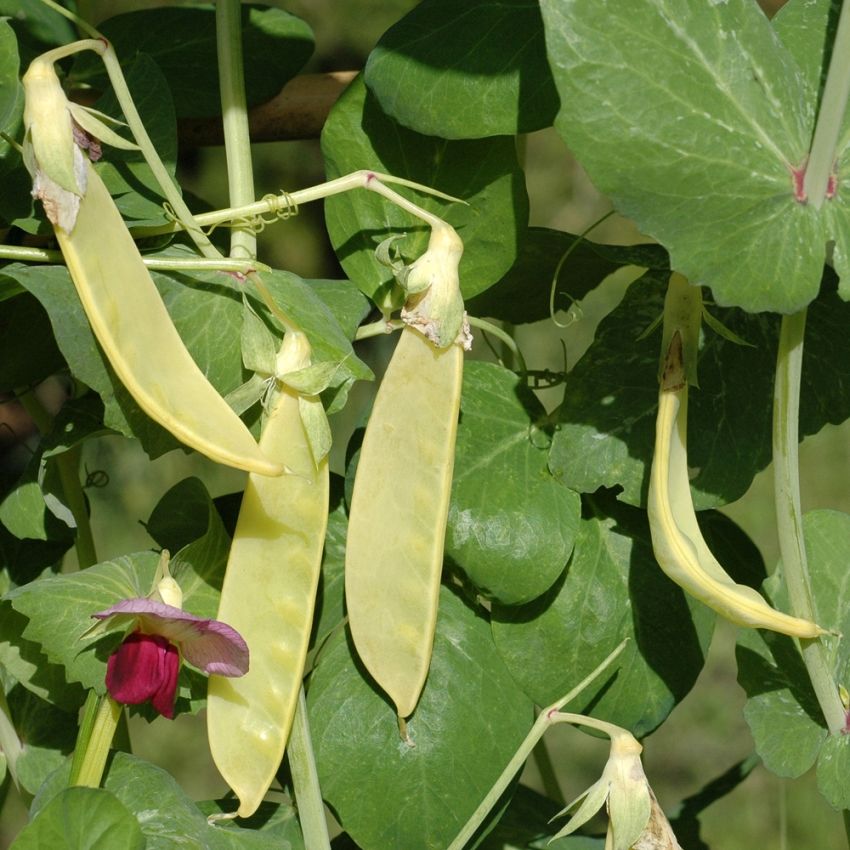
{"type": "Point", "coordinates": [143, 668]}
{"type": "Point", "coordinates": [209, 645]}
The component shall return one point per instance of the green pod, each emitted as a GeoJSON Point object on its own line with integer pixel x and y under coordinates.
{"type": "Point", "coordinates": [399, 509]}
{"type": "Point", "coordinates": [269, 596]}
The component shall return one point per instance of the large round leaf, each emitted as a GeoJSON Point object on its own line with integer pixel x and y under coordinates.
{"type": "Point", "coordinates": [511, 524]}
{"type": "Point", "coordinates": [611, 590]}
{"type": "Point", "coordinates": [696, 120]}
{"type": "Point", "coordinates": [484, 173]}
{"type": "Point", "coordinates": [387, 793]}
{"type": "Point", "coordinates": [782, 711]}
{"type": "Point", "coordinates": [424, 67]}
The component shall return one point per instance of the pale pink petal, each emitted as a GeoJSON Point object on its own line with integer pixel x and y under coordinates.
{"type": "Point", "coordinates": [209, 645]}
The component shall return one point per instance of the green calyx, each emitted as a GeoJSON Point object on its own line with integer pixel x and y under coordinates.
{"type": "Point", "coordinates": [435, 305]}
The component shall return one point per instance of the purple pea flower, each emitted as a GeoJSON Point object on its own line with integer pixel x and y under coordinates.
{"type": "Point", "coordinates": [146, 664]}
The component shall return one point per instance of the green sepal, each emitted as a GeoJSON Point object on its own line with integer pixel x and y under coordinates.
{"type": "Point", "coordinates": [91, 120]}
{"type": "Point", "coordinates": [316, 426]}
{"type": "Point", "coordinates": [259, 348]}
{"type": "Point", "coordinates": [721, 330]}
{"type": "Point", "coordinates": [313, 379]}
{"type": "Point", "coordinates": [246, 395]}
{"type": "Point", "coordinates": [682, 314]}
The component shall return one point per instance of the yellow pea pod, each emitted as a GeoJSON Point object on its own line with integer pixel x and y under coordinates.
{"type": "Point", "coordinates": [399, 510]}
{"type": "Point", "coordinates": [680, 548]}
{"type": "Point", "coordinates": [268, 596]}
{"type": "Point", "coordinates": [135, 331]}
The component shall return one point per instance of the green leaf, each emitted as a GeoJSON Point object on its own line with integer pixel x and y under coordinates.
{"type": "Point", "coordinates": [82, 819]}
{"type": "Point", "coordinates": [23, 511]}
{"type": "Point", "coordinates": [11, 93]}
{"type": "Point", "coordinates": [78, 420]}
{"type": "Point", "coordinates": [59, 610]}
{"type": "Point", "coordinates": [181, 515]}
{"type": "Point", "coordinates": [511, 525]}
{"type": "Point", "coordinates": [484, 173]}
{"type": "Point", "coordinates": [423, 68]}
{"type": "Point", "coordinates": [168, 818]}
{"type": "Point", "coordinates": [47, 732]}
{"type": "Point", "coordinates": [607, 419]}
{"type": "Point", "coordinates": [612, 589]}
{"type": "Point", "coordinates": [24, 660]}
{"type": "Point", "coordinates": [199, 566]}
{"type": "Point", "coordinates": [259, 347]}
{"type": "Point", "coordinates": [833, 769]}
{"type": "Point", "coordinates": [695, 113]}
{"type": "Point", "coordinates": [523, 293]}
{"type": "Point", "coordinates": [128, 177]}
{"type": "Point", "coordinates": [807, 29]}
{"type": "Point", "coordinates": [191, 299]}
{"type": "Point", "coordinates": [526, 825]}
{"type": "Point", "coordinates": [305, 306]}
{"type": "Point", "coordinates": [782, 711]}
{"type": "Point", "coordinates": [388, 794]}
{"type": "Point", "coordinates": [182, 43]}
{"type": "Point", "coordinates": [347, 303]}
{"type": "Point", "coordinates": [37, 26]}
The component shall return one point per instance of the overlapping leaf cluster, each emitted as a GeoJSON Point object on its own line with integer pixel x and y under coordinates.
{"type": "Point", "coordinates": [690, 120]}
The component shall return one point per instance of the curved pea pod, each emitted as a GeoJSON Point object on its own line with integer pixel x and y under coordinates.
{"type": "Point", "coordinates": [118, 295]}
{"type": "Point", "coordinates": [132, 325]}
{"type": "Point", "coordinates": [399, 509]}
{"type": "Point", "coordinates": [680, 549]}
{"type": "Point", "coordinates": [268, 596]}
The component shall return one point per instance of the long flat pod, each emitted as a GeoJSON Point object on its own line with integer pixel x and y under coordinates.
{"type": "Point", "coordinates": [268, 596]}
{"type": "Point", "coordinates": [399, 509]}
{"type": "Point", "coordinates": [132, 325]}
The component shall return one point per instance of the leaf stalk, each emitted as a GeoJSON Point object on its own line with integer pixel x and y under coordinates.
{"type": "Point", "coordinates": [789, 516]}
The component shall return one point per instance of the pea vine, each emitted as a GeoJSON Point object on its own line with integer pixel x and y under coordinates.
{"type": "Point", "coordinates": [370, 615]}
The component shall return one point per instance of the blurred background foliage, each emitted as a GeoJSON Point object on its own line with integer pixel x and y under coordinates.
{"type": "Point", "coordinates": [706, 734]}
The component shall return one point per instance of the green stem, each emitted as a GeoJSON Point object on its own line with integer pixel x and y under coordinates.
{"type": "Point", "coordinates": [573, 245]}
{"type": "Point", "coordinates": [286, 204]}
{"type": "Point", "coordinates": [67, 13]}
{"type": "Point", "coordinates": [789, 516]}
{"type": "Point", "coordinates": [95, 749]}
{"type": "Point", "coordinates": [169, 188]}
{"type": "Point", "coordinates": [10, 743]}
{"type": "Point", "coordinates": [143, 140]}
{"type": "Point", "coordinates": [234, 111]}
{"type": "Point", "coordinates": [379, 328]}
{"type": "Point", "coordinates": [833, 104]}
{"type": "Point", "coordinates": [24, 254]}
{"type": "Point", "coordinates": [305, 781]}
{"type": "Point", "coordinates": [90, 709]}
{"type": "Point", "coordinates": [504, 337]}
{"type": "Point", "coordinates": [68, 466]}
{"type": "Point", "coordinates": [544, 720]}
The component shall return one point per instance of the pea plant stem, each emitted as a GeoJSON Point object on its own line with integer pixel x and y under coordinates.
{"type": "Point", "coordinates": [89, 772]}
{"type": "Point", "coordinates": [833, 104]}
{"type": "Point", "coordinates": [287, 203]}
{"type": "Point", "coordinates": [26, 254]}
{"type": "Point", "coordinates": [10, 743]}
{"type": "Point", "coordinates": [547, 717]}
{"type": "Point", "coordinates": [68, 466]}
{"type": "Point", "coordinates": [789, 517]}
{"type": "Point", "coordinates": [504, 337]}
{"type": "Point", "coordinates": [305, 781]}
{"type": "Point", "coordinates": [234, 111]}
